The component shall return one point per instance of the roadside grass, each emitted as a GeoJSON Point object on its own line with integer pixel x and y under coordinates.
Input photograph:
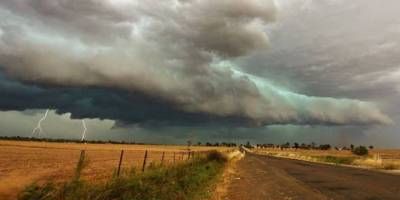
{"type": "Point", "coordinates": [192, 180]}
{"type": "Point", "coordinates": [386, 164]}
{"type": "Point", "coordinates": [348, 160]}
{"type": "Point", "coordinates": [370, 161]}
{"type": "Point", "coordinates": [391, 165]}
{"type": "Point", "coordinates": [364, 161]}
{"type": "Point", "coordinates": [336, 159]}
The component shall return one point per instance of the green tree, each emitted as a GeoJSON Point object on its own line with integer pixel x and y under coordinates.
{"type": "Point", "coordinates": [360, 151]}
{"type": "Point", "coordinates": [248, 145]}
{"type": "Point", "coordinates": [371, 147]}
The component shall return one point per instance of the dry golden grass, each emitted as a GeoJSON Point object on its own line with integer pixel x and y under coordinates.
{"type": "Point", "coordinates": [22, 163]}
{"type": "Point", "coordinates": [384, 153]}
{"type": "Point", "coordinates": [388, 159]}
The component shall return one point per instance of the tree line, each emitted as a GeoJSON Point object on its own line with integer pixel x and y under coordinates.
{"type": "Point", "coordinates": [61, 140]}
{"type": "Point", "coordinates": [311, 146]}
{"type": "Point", "coordinates": [287, 145]}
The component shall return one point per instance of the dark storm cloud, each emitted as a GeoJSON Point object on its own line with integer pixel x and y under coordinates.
{"type": "Point", "coordinates": [154, 61]}
{"type": "Point", "coordinates": [99, 103]}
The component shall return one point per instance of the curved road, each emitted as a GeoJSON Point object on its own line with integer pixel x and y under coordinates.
{"type": "Point", "coordinates": [261, 178]}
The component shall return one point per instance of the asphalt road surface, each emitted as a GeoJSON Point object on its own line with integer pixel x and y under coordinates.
{"type": "Point", "coordinates": [261, 178]}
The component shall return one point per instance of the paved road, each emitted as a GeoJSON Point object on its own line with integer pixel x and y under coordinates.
{"type": "Point", "coordinates": [262, 178]}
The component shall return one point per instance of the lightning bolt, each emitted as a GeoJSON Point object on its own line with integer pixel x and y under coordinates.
{"type": "Point", "coordinates": [84, 130]}
{"type": "Point", "coordinates": [39, 125]}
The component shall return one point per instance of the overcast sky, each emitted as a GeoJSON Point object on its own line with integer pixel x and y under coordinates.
{"type": "Point", "coordinates": [269, 71]}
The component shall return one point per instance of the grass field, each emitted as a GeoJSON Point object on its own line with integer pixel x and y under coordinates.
{"type": "Point", "coordinates": [195, 179]}
{"type": "Point", "coordinates": [388, 159]}
{"type": "Point", "coordinates": [22, 163]}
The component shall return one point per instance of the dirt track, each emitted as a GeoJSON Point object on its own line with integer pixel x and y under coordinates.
{"type": "Point", "coordinates": [261, 178]}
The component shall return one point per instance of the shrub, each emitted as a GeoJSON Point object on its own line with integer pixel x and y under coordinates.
{"type": "Point", "coordinates": [391, 166]}
{"type": "Point", "coordinates": [371, 147]}
{"type": "Point", "coordinates": [216, 156]}
{"type": "Point", "coordinates": [35, 191]}
{"type": "Point", "coordinates": [338, 160]}
{"type": "Point", "coordinates": [360, 151]}
{"type": "Point", "coordinates": [325, 147]}
{"type": "Point", "coordinates": [248, 145]}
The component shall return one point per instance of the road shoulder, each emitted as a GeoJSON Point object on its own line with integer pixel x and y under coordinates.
{"type": "Point", "coordinates": [254, 180]}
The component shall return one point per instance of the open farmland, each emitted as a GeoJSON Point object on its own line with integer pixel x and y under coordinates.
{"type": "Point", "coordinates": [22, 163]}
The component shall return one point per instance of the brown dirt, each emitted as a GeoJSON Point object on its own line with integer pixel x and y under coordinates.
{"type": "Point", "coordinates": [228, 175]}
{"type": "Point", "coordinates": [262, 177]}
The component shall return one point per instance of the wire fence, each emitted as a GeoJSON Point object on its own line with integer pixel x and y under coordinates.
{"type": "Point", "coordinates": [43, 161]}
{"type": "Point", "coordinates": [138, 160]}
{"type": "Point", "coordinates": [24, 163]}
{"type": "Point", "coordinates": [60, 164]}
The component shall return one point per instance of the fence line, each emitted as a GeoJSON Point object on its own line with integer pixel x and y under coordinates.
{"type": "Point", "coordinates": [99, 163]}
{"type": "Point", "coordinates": [150, 158]}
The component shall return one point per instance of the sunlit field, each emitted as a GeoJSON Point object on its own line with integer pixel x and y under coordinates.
{"type": "Point", "coordinates": [22, 163]}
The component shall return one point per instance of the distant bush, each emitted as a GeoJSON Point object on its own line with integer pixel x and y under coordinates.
{"type": "Point", "coordinates": [248, 145]}
{"type": "Point", "coordinates": [360, 151]}
{"type": "Point", "coordinates": [324, 147]}
{"type": "Point", "coordinates": [371, 147]}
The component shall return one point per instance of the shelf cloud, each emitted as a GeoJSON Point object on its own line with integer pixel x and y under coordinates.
{"type": "Point", "coordinates": [169, 62]}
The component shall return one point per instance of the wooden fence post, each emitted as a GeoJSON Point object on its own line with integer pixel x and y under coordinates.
{"type": "Point", "coordinates": [120, 162]}
{"type": "Point", "coordinates": [174, 157]}
{"type": "Point", "coordinates": [144, 161]}
{"type": "Point", "coordinates": [162, 158]}
{"type": "Point", "coordinates": [82, 156]}
{"type": "Point", "coordinates": [80, 164]}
